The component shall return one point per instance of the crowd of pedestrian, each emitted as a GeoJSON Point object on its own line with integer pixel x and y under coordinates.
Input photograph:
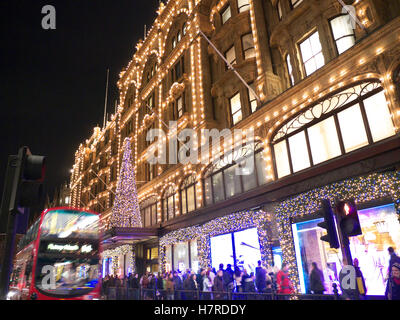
{"type": "Point", "coordinates": [207, 284]}
{"type": "Point", "coordinates": [236, 283]}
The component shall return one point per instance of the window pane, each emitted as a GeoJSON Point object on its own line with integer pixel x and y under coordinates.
{"type": "Point", "coordinates": [344, 44]}
{"type": "Point", "coordinates": [181, 256]}
{"type": "Point", "coordinates": [179, 103]}
{"type": "Point", "coordinates": [147, 217]}
{"type": "Point", "coordinates": [249, 180]}
{"type": "Point", "coordinates": [379, 118]}
{"type": "Point", "coordinates": [171, 207]}
{"type": "Point", "coordinates": [282, 159]}
{"type": "Point", "coordinates": [248, 46]}
{"type": "Point", "coordinates": [226, 15]}
{"type": "Point", "coordinates": [306, 51]}
{"type": "Point", "coordinates": [236, 108]}
{"type": "Point", "coordinates": [260, 166]}
{"type": "Point", "coordinates": [343, 32]}
{"type": "Point", "coordinates": [183, 195]}
{"type": "Point", "coordinates": [279, 8]}
{"type": "Point", "coordinates": [230, 55]}
{"type": "Point", "coordinates": [295, 3]}
{"type": "Point", "coordinates": [311, 52]}
{"type": "Point", "coordinates": [243, 5]}
{"type": "Point", "coordinates": [232, 182]}
{"type": "Point", "coordinates": [207, 189]}
{"type": "Point", "coordinates": [352, 128]}
{"type": "Point", "coordinates": [290, 69]}
{"type": "Point", "coordinates": [194, 256]}
{"type": "Point", "coordinates": [324, 141]}
{"type": "Point", "coordinates": [218, 187]}
{"type": "Point", "coordinates": [252, 98]}
{"type": "Point", "coordinates": [165, 210]}
{"type": "Point", "coordinates": [235, 103]}
{"type": "Point", "coordinates": [191, 199]}
{"type": "Point", "coordinates": [237, 117]}
{"type": "Point", "coordinates": [153, 214]}
{"type": "Point", "coordinates": [299, 152]}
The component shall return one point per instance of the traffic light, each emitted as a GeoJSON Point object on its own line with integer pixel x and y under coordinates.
{"type": "Point", "coordinates": [348, 216]}
{"type": "Point", "coordinates": [329, 225]}
{"type": "Point", "coordinates": [27, 184]}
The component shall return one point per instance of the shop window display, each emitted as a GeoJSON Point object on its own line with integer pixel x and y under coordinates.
{"type": "Point", "coordinates": [181, 256]}
{"type": "Point", "coordinates": [241, 249]}
{"type": "Point", "coordinates": [381, 229]}
{"type": "Point", "coordinates": [194, 258]}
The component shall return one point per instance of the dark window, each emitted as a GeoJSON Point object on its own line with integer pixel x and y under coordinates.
{"type": "Point", "coordinates": [221, 180]}
{"type": "Point", "coordinates": [168, 202]}
{"type": "Point", "coordinates": [188, 194]}
{"type": "Point", "coordinates": [295, 3]}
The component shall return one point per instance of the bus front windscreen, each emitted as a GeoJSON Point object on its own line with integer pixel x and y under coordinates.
{"type": "Point", "coordinates": [68, 255]}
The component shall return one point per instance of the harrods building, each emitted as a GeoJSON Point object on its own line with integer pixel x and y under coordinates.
{"type": "Point", "coordinates": [320, 90]}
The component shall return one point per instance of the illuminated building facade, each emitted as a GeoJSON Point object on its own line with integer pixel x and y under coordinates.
{"type": "Point", "coordinates": [326, 126]}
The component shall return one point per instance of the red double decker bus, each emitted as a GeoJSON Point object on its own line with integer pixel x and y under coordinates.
{"type": "Point", "coordinates": [59, 258]}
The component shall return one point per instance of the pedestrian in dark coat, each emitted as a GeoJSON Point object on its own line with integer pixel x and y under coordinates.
{"type": "Point", "coordinates": [394, 283]}
{"type": "Point", "coordinates": [362, 288]}
{"type": "Point", "coordinates": [261, 278]}
{"type": "Point", "coordinates": [394, 258]}
{"type": "Point", "coordinates": [316, 280]}
{"type": "Point", "coordinates": [219, 287]}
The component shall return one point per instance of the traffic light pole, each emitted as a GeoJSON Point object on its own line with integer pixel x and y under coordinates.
{"type": "Point", "coordinates": [11, 226]}
{"type": "Point", "coordinates": [8, 255]}
{"type": "Point", "coordinates": [344, 241]}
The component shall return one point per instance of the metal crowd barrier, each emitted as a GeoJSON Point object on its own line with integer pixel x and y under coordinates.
{"type": "Point", "coordinates": [123, 293]}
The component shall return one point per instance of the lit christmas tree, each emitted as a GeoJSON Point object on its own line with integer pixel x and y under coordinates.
{"type": "Point", "coordinates": [126, 211]}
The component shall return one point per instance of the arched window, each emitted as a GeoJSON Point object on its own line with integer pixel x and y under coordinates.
{"type": "Point", "coordinates": [238, 172]}
{"type": "Point", "coordinates": [148, 209]}
{"type": "Point", "coordinates": [348, 120]}
{"type": "Point", "coordinates": [169, 200]}
{"type": "Point", "coordinates": [188, 194]}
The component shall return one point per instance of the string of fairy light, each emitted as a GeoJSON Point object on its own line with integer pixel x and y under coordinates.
{"type": "Point", "coordinates": [266, 120]}
{"type": "Point", "coordinates": [362, 189]}
{"type": "Point", "coordinates": [125, 250]}
{"type": "Point", "coordinates": [126, 211]}
{"type": "Point", "coordinates": [234, 222]}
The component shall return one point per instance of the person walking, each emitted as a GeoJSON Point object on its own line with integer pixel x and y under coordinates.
{"type": "Point", "coordinates": [219, 286]}
{"type": "Point", "coordinates": [283, 282]}
{"type": "Point", "coordinates": [394, 282]}
{"type": "Point", "coordinates": [228, 278]}
{"type": "Point", "coordinates": [170, 287]}
{"type": "Point", "coordinates": [394, 258]}
{"type": "Point", "coordinates": [362, 288]}
{"type": "Point", "coordinates": [316, 280]}
{"type": "Point", "coordinates": [238, 282]}
{"type": "Point", "coordinates": [178, 285]}
{"type": "Point", "coordinates": [207, 287]}
{"type": "Point", "coordinates": [261, 278]}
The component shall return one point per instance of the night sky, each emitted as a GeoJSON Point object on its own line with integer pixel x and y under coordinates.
{"type": "Point", "coordinates": [53, 81]}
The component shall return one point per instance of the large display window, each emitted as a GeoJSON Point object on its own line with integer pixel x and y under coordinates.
{"type": "Point", "coordinates": [381, 229]}
{"type": "Point", "coordinates": [181, 256]}
{"type": "Point", "coordinates": [241, 249]}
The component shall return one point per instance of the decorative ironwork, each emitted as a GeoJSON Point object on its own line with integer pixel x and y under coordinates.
{"type": "Point", "coordinates": [326, 106]}
{"type": "Point", "coordinates": [237, 155]}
